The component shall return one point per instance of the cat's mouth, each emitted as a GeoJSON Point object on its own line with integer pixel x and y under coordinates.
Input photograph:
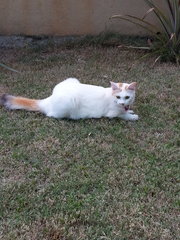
{"type": "Point", "coordinates": [126, 108]}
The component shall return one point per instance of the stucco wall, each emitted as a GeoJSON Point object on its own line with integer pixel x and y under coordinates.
{"type": "Point", "coordinates": [67, 17]}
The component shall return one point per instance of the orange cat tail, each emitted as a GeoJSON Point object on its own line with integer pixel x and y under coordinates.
{"type": "Point", "coordinates": [12, 102]}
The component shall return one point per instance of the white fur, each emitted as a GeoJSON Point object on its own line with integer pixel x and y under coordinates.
{"type": "Point", "coordinates": [74, 100]}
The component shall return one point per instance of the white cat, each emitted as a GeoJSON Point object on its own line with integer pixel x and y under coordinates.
{"type": "Point", "coordinates": [74, 100]}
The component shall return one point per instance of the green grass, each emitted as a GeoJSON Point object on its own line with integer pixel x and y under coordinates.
{"type": "Point", "coordinates": [89, 179]}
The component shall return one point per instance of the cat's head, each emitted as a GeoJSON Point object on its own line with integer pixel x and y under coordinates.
{"type": "Point", "coordinates": [123, 93]}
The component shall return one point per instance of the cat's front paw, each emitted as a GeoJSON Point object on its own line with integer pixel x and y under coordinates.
{"type": "Point", "coordinates": [130, 111]}
{"type": "Point", "coordinates": [130, 117]}
{"type": "Point", "coordinates": [134, 117]}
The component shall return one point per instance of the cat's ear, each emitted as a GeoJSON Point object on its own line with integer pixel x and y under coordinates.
{"type": "Point", "coordinates": [132, 86]}
{"type": "Point", "coordinates": [114, 86]}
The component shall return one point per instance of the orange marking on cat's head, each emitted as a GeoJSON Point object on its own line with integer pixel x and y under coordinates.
{"type": "Point", "coordinates": [120, 85]}
{"type": "Point", "coordinates": [116, 87]}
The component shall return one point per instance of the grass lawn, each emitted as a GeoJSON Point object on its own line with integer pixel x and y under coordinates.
{"type": "Point", "coordinates": [89, 179]}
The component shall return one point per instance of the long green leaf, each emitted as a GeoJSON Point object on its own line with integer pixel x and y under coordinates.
{"type": "Point", "coordinates": [131, 21]}
{"type": "Point", "coordinates": [148, 26]}
{"type": "Point", "coordinates": [156, 29]}
{"type": "Point", "coordinates": [170, 20]}
{"type": "Point", "coordinates": [162, 17]}
{"type": "Point", "coordinates": [152, 27]}
{"type": "Point", "coordinates": [147, 13]}
{"type": "Point", "coordinates": [9, 68]}
{"type": "Point", "coordinates": [168, 41]}
{"type": "Point", "coordinates": [170, 8]}
{"type": "Point", "coordinates": [177, 17]}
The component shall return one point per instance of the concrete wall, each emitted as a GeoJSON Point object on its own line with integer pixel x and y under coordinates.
{"type": "Point", "coordinates": [68, 17]}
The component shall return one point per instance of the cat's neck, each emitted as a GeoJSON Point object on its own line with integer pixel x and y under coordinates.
{"type": "Point", "coordinates": [108, 92]}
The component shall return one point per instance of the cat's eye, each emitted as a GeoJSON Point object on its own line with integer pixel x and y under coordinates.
{"type": "Point", "coordinates": [118, 97]}
{"type": "Point", "coordinates": [127, 97]}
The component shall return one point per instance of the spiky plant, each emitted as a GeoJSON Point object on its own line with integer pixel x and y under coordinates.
{"type": "Point", "coordinates": [166, 44]}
